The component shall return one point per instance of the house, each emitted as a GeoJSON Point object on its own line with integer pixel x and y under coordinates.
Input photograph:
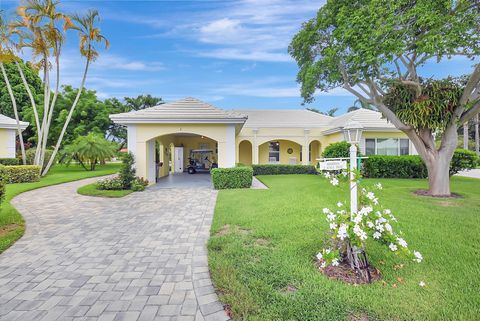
{"type": "Point", "coordinates": [163, 137]}
{"type": "Point", "coordinates": [8, 134]}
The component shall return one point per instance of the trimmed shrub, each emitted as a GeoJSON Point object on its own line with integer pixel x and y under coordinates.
{"type": "Point", "coordinates": [30, 155]}
{"type": "Point", "coordinates": [463, 160]}
{"type": "Point", "coordinates": [412, 166]}
{"type": "Point", "coordinates": [139, 184]}
{"type": "Point", "coordinates": [9, 161]}
{"type": "Point", "coordinates": [22, 173]}
{"type": "Point", "coordinates": [127, 171]}
{"type": "Point", "coordinates": [236, 177]}
{"type": "Point", "coordinates": [337, 150]}
{"type": "Point", "coordinates": [3, 183]}
{"type": "Point", "coordinates": [406, 166]}
{"type": "Point", "coordinates": [277, 169]}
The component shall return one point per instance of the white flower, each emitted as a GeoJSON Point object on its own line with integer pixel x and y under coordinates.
{"type": "Point", "coordinates": [393, 247]}
{"type": "Point", "coordinates": [327, 175]}
{"type": "Point", "coordinates": [365, 210]}
{"type": "Point", "coordinates": [357, 219]}
{"type": "Point", "coordinates": [326, 211]}
{"type": "Point", "coordinates": [334, 181]}
{"type": "Point", "coordinates": [341, 212]}
{"type": "Point", "coordinates": [388, 227]}
{"type": "Point", "coordinates": [370, 224]}
{"type": "Point", "coordinates": [344, 174]}
{"type": "Point", "coordinates": [359, 232]}
{"type": "Point", "coordinates": [327, 251]}
{"type": "Point", "coordinates": [342, 231]}
{"type": "Point", "coordinates": [422, 284]}
{"type": "Point", "coordinates": [333, 226]}
{"type": "Point", "coordinates": [335, 262]}
{"type": "Point", "coordinates": [323, 264]}
{"type": "Point", "coordinates": [375, 201]}
{"type": "Point", "coordinates": [379, 186]}
{"type": "Point", "coordinates": [379, 227]}
{"type": "Point", "coordinates": [381, 220]}
{"type": "Point", "coordinates": [402, 242]}
{"type": "Point", "coordinates": [418, 256]}
{"type": "Point", "coordinates": [331, 217]}
{"type": "Point", "coordinates": [377, 235]}
{"type": "Point", "coordinates": [387, 211]}
{"type": "Point", "coordinates": [370, 195]}
{"type": "Point", "coordinates": [339, 204]}
{"type": "Point", "coordinates": [319, 256]}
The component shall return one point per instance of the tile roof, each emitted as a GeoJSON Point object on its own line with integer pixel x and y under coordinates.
{"type": "Point", "coordinates": [284, 118]}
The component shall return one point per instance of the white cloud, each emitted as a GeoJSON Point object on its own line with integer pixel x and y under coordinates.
{"type": "Point", "coordinates": [110, 61]}
{"type": "Point", "coordinates": [242, 54]}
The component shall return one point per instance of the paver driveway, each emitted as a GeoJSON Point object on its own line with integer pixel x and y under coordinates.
{"type": "Point", "coordinates": [141, 257]}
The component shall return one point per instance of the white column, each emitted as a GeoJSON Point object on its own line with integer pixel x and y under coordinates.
{"type": "Point", "coordinates": [305, 147]}
{"type": "Point", "coordinates": [353, 183]}
{"type": "Point", "coordinates": [151, 161]}
{"type": "Point", "coordinates": [255, 148]}
{"type": "Point", "coordinates": [132, 140]}
{"type": "Point", "coordinates": [230, 146]}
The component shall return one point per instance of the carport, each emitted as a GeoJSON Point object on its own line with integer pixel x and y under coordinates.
{"type": "Point", "coordinates": [184, 181]}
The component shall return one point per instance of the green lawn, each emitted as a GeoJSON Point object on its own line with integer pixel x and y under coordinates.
{"type": "Point", "coordinates": [274, 235]}
{"type": "Point", "coordinates": [91, 190]}
{"type": "Point", "coordinates": [12, 225]}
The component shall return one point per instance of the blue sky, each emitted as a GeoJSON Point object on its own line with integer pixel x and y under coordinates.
{"type": "Point", "coordinates": [232, 54]}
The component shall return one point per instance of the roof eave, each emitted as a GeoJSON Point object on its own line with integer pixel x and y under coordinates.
{"type": "Point", "coordinates": [23, 126]}
{"type": "Point", "coordinates": [129, 120]}
{"type": "Point", "coordinates": [365, 129]}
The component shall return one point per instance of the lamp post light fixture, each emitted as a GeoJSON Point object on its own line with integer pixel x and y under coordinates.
{"type": "Point", "coordinates": [353, 133]}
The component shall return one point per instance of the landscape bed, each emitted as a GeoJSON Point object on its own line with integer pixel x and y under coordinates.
{"type": "Point", "coordinates": [262, 254]}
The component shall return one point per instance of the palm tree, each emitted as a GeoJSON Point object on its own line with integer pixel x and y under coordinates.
{"type": "Point", "coordinates": [90, 35]}
{"type": "Point", "coordinates": [7, 55]}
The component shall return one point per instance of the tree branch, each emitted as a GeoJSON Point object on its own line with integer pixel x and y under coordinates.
{"type": "Point", "coordinates": [470, 113]}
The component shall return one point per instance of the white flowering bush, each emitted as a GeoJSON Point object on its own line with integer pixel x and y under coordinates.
{"type": "Point", "coordinates": [350, 232]}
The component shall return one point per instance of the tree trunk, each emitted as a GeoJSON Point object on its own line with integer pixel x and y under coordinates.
{"type": "Point", "coordinates": [477, 134]}
{"type": "Point", "coordinates": [15, 111]}
{"type": "Point", "coordinates": [465, 135]}
{"type": "Point", "coordinates": [439, 175]}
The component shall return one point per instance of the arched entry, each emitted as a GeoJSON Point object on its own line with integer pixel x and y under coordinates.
{"type": "Point", "coordinates": [245, 152]}
{"type": "Point", "coordinates": [280, 152]}
{"type": "Point", "coordinates": [314, 149]}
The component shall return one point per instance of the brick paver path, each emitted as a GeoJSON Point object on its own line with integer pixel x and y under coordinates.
{"type": "Point", "coordinates": [141, 257]}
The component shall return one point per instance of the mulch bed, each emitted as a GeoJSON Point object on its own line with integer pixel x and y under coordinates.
{"type": "Point", "coordinates": [423, 192]}
{"type": "Point", "coordinates": [344, 273]}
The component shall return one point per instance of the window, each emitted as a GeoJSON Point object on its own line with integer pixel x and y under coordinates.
{"type": "Point", "coordinates": [404, 147]}
{"type": "Point", "coordinates": [387, 146]}
{"type": "Point", "coordinates": [370, 146]}
{"type": "Point", "coordinates": [274, 152]}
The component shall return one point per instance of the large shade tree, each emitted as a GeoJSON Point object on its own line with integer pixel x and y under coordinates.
{"type": "Point", "coordinates": [375, 49]}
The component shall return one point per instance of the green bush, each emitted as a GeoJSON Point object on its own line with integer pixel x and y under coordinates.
{"type": "Point", "coordinates": [3, 183]}
{"type": "Point", "coordinates": [22, 173]}
{"type": "Point", "coordinates": [127, 171]}
{"type": "Point", "coordinates": [9, 161]}
{"type": "Point", "coordinates": [236, 177]}
{"type": "Point", "coordinates": [412, 166]}
{"type": "Point", "coordinates": [110, 184]}
{"type": "Point", "coordinates": [277, 169]}
{"type": "Point", "coordinates": [139, 184]}
{"type": "Point", "coordinates": [406, 166]}
{"type": "Point", "coordinates": [337, 150]}
{"type": "Point", "coordinates": [30, 155]}
{"type": "Point", "coordinates": [463, 160]}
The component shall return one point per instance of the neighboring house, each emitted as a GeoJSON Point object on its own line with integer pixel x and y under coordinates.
{"type": "Point", "coordinates": [166, 134]}
{"type": "Point", "coordinates": [8, 134]}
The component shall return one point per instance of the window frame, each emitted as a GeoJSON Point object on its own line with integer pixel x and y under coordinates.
{"type": "Point", "coordinates": [398, 145]}
{"type": "Point", "coordinates": [277, 152]}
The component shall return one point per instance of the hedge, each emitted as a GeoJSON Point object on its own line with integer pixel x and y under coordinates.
{"type": "Point", "coordinates": [407, 166]}
{"type": "Point", "coordinates": [3, 183]}
{"type": "Point", "coordinates": [412, 166]}
{"type": "Point", "coordinates": [236, 177]}
{"type": "Point", "coordinates": [277, 169]}
{"type": "Point", "coordinates": [9, 161]}
{"type": "Point", "coordinates": [22, 173]}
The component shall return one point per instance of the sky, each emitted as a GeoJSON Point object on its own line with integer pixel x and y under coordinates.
{"type": "Point", "coordinates": [232, 54]}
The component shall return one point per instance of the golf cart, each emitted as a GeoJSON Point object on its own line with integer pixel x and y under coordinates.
{"type": "Point", "coordinates": [200, 161]}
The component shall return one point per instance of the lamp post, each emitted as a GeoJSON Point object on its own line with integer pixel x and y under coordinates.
{"type": "Point", "coordinates": [353, 133]}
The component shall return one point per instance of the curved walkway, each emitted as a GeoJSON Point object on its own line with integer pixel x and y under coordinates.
{"type": "Point", "coordinates": [141, 257]}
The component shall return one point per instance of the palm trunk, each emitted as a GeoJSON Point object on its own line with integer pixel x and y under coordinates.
{"type": "Point", "coordinates": [465, 135]}
{"type": "Point", "coordinates": [477, 135]}
{"type": "Point", "coordinates": [67, 121]}
{"type": "Point", "coordinates": [15, 111]}
{"type": "Point", "coordinates": [52, 106]}
{"type": "Point", "coordinates": [29, 92]}
{"type": "Point", "coordinates": [46, 102]}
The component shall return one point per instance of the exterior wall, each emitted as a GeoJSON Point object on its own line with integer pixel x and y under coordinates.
{"type": "Point", "coordinates": [245, 153]}
{"type": "Point", "coordinates": [142, 136]}
{"type": "Point", "coordinates": [285, 157]}
{"type": "Point", "coordinates": [7, 143]}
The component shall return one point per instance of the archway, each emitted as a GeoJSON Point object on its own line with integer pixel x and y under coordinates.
{"type": "Point", "coordinates": [245, 152]}
{"type": "Point", "coordinates": [280, 151]}
{"type": "Point", "coordinates": [314, 149]}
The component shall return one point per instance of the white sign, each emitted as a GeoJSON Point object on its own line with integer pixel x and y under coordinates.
{"type": "Point", "coordinates": [333, 165]}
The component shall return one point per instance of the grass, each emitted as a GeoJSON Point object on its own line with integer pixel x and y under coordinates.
{"type": "Point", "coordinates": [91, 190]}
{"type": "Point", "coordinates": [12, 225]}
{"type": "Point", "coordinates": [275, 234]}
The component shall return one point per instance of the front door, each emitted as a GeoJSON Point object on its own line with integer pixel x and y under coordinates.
{"type": "Point", "coordinates": [178, 159]}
